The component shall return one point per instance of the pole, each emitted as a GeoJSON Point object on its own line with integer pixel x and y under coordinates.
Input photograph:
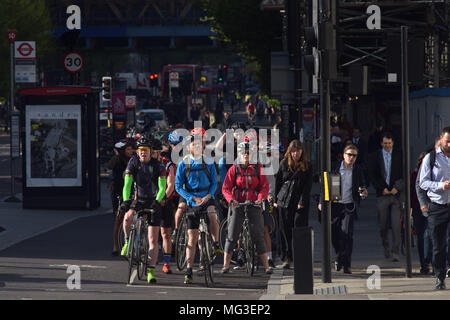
{"type": "Point", "coordinates": [12, 197]}
{"type": "Point", "coordinates": [406, 153]}
{"type": "Point", "coordinates": [326, 167]}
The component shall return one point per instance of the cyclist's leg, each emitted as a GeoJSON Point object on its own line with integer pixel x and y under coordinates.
{"type": "Point", "coordinates": [234, 229]}
{"type": "Point", "coordinates": [267, 238]}
{"type": "Point", "coordinates": [213, 221]}
{"type": "Point", "coordinates": [257, 232]}
{"type": "Point", "coordinates": [128, 222]}
{"type": "Point", "coordinates": [182, 205]}
{"type": "Point", "coordinates": [153, 248]}
{"type": "Point", "coordinates": [193, 224]}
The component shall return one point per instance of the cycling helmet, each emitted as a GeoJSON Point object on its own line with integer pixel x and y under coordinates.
{"type": "Point", "coordinates": [144, 142]}
{"type": "Point", "coordinates": [250, 136]}
{"type": "Point", "coordinates": [243, 146]}
{"type": "Point", "coordinates": [198, 131]}
{"type": "Point", "coordinates": [174, 137]}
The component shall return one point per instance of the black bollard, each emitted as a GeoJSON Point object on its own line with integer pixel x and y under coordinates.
{"type": "Point", "coordinates": [303, 250]}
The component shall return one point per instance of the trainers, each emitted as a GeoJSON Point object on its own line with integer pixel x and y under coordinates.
{"type": "Point", "coordinates": [173, 236]}
{"type": "Point", "coordinates": [151, 275]}
{"type": "Point", "coordinates": [188, 278]}
{"type": "Point", "coordinates": [166, 269]}
{"type": "Point", "coordinates": [269, 270]}
{"type": "Point", "coordinates": [124, 249]}
{"type": "Point", "coordinates": [225, 270]}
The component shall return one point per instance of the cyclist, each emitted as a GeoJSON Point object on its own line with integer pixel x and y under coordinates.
{"type": "Point", "coordinates": [167, 218]}
{"type": "Point", "coordinates": [196, 182]}
{"type": "Point", "coordinates": [245, 181]}
{"type": "Point", "coordinates": [150, 177]}
{"type": "Point", "coordinates": [123, 150]}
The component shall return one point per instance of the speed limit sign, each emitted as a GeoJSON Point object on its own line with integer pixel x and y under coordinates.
{"type": "Point", "coordinates": [73, 62]}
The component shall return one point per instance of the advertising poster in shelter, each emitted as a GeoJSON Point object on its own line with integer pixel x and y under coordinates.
{"type": "Point", "coordinates": [53, 145]}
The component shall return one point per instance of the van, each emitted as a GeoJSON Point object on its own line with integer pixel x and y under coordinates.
{"type": "Point", "coordinates": [157, 115]}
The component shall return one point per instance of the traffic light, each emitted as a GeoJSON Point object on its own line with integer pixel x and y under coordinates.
{"type": "Point", "coordinates": [153, 80]}
{"type": "Point", "coordinates": [106, 88]}
{"type": "Point", "coordinates": [220, 75]}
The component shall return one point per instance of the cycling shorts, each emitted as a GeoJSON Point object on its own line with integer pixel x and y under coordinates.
{"type": "Point", "coordinates": [168, 213]}
{"type": "Point", "coordinates": [137, 205]}
{"type": "Point", "coordinates": [194, 222]}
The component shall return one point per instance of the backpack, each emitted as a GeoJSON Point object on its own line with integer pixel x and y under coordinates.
{"type": "Point", "coordinates": [187, 172]}
{"type": "Point", "coordinates": [237, 173]}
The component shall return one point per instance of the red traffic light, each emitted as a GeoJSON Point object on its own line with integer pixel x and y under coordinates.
{"type": "Point", "coordinates": [156, 76]}
{"type": "Point", "coordinates": [151, 77]}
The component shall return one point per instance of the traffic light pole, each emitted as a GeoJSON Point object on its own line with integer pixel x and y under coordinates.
{"type": "Point", "coordinates": [406, 154]}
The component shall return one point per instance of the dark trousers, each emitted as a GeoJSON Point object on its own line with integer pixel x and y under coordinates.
{"type": "Point", "coordinates": [438, 220]}
{"type": "Point", "coordinates": [342, 226]}
{"type": "Point", "coordinates": [291, 218]}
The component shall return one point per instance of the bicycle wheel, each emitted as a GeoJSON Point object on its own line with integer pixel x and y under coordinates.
{"type": "Point", "coordinates": [131, 255]}
{"type": "Point", "coordinates": [249, 251]}
{"type": "Point", "coordinates": [223, 233]}
{"type": "Point", "coordinates": [181, 244]}
{"type": "Point", "coordinates": [121, 237]}
{"type": "Point", "coordinates": [207, 254]}
{"type": "Point", "coordinates": [143, 252]}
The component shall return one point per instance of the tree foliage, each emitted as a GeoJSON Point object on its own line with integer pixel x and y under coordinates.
{"type": "Point", "coordinates": [247, 28]}
{"type": "Point", "coordinates": [32, 21]}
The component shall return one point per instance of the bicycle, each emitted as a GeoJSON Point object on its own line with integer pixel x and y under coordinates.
{"type": "Point", "coordinates": [138, 244]}
{"type": "Point", "coordinates": [181, 244]}
{"type": "Point", "coordinates": [206, 243]}
{"type": "Point", "coordinates": [247, 243]}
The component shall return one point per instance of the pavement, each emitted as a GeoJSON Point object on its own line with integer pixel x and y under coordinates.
{"type": "Point", "coordinates": [373, 276]}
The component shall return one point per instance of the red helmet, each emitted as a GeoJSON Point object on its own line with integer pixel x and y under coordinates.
{"type": "Point", "coordinates": [198, 132]}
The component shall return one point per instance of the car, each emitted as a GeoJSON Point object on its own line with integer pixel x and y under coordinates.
{"type": "Point", "coordinates": [157, 115]}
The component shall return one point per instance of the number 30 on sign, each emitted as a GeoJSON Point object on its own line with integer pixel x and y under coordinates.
{"type": "Point", "coordinates": [73, 62]}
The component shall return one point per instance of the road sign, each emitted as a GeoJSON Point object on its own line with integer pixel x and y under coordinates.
{"type": "Point", "coordinates": [130, 101]}
{"type": "Point", "coordinates": [25, 49]}
{"type": "Point", "coordinates": [173, 79]}
{"type": "Point", "coordinates": [73, 62]}
{"type": "Point", "coordinates": [25, 61]}
{"type": "Point", "coordinates": [308, 115]}
{"type": "Point", "coordinates": [11, 35]}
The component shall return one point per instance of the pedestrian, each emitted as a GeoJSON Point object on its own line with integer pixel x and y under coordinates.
{"type": "Point", "coordinates": [386, 174]}
{"type": "Point", "coordinates": [123, 150]}
{"type": "Point", "coordinates": [344, 212]}
{"type": "Point", "coordinates": [435, 178]}
{"type": "Point", "coordinates": [295, 170]}
{"type": "Point", "coordinates": [226, 121]}
{"type": "Point", "coordinates": [419, 207]}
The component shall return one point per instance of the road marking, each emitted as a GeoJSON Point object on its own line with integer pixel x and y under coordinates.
{"type": "Point", "coordinates": [189, 288]}
{"type": "Point", "coordinates": [82, 266]}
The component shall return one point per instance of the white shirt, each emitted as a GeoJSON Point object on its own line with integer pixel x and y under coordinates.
{"type": "Point", "coordinates": [346, 187]}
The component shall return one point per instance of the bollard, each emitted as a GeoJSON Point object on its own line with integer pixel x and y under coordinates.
{"type": "Point", "coordinates": [303, 251]}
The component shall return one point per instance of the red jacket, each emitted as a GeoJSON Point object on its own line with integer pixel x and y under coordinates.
{"type": "Point", "coordinates": [246, 185]}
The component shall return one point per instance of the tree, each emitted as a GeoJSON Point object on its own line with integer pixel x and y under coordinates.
{"type": "Point", "coordinates": [32, 21]}
{"type": "Point", "coordinates": [249, 30]}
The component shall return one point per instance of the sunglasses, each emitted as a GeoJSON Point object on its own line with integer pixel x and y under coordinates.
{"type": "Point", "coordinates": [352, 154]}
{"type": "Point", "coordinates": [144, 149]}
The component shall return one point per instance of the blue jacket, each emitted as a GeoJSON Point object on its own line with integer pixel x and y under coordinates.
{"type": "Point", "coordinates": [197, 180]}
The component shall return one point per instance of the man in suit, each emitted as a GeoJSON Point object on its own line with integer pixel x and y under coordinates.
{"type": "Point", "coordinates": [344, 212]}
{"type": "Point", "coordinates": [386, 175]}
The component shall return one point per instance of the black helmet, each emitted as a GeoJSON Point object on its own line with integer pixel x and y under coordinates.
{"type": "Point", "coordinates": [243, 146]}
{"type": "Point", "coordinates": [144, 142]}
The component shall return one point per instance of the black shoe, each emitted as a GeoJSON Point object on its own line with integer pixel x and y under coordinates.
{"type": "Point", "coordinates": [440, 284]}
{"type": "Point", "coordinates": [337, 266]}
{"type": "Point", "coordinates": [115, 253]}
{"type": "Point", "coordinates": [347, 270]}
{"type": "Point", "coordinates": [424, 270]}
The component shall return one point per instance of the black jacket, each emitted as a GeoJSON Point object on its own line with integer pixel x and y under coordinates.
{"type": "Point", "coordinates": [378, 174]}
{"type": "Point", "coordinates": [302, 187]}
{"type": "Point", "coordinates": [358, 180]}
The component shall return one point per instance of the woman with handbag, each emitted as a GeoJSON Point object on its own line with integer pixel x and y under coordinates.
{"type": "Point", "coordinates": [293, 188]}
